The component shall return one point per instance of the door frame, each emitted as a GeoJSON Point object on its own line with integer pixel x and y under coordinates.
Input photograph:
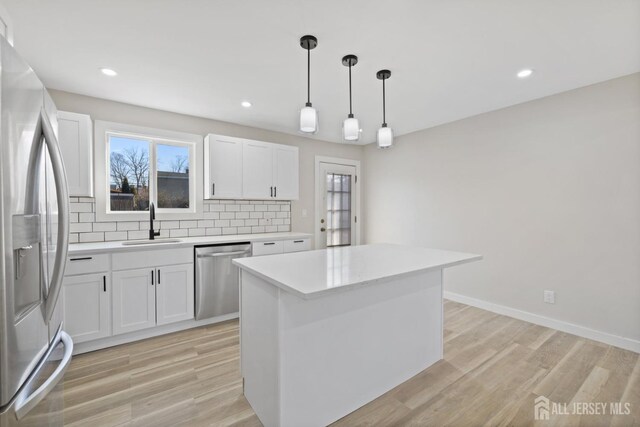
{"type": "Point", "coordinates": [318, 195]}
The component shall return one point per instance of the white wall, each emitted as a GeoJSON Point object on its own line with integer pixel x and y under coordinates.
{"type": "Point", "coordinates": [101, 109]}
{"type": "Point", "coordinates": [548, 191]}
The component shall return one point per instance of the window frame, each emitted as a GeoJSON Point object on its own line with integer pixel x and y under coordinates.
{"type": "Point", "coordinates": [103, 130]}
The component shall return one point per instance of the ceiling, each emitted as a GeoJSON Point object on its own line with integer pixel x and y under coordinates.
{"type": "Point", "coordinates": [449, 59]}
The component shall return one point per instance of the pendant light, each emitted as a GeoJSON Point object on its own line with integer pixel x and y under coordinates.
{"type": "Point", "coordinates": [385, 134]}
{"type": "Point", "coordinates": [350, 126]}
{"type": "Point", "coordinates": [308, 114]}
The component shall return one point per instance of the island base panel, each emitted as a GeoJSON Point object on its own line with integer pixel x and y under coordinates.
{"type": "Point", "coordinates": [311, 362]}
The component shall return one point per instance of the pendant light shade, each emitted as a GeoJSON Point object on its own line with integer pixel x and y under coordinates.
{"type": "Point", "coordinates": [350, 127]}
{"type": "Point", "coordinates": [308, 114]}
{"type": "Point", "coordinates": [385, 133]}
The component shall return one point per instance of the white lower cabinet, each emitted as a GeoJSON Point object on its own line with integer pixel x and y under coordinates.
{"type": "Point", "coordinates": [134, 300]}
{"type": "Point", "coordinates": [146, 297]}
{"type": "Point", "coordinates": [86, 308]}
{"type": "Point", "coordinates": [174, 293]}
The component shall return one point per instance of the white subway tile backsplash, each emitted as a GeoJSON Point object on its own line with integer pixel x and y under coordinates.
{"type": "Point", "coordinates": [196, 232]}
{"type": "Point", "coordinates": [127, 225]}
{"type": "Point", "coordinates": [81, 207]}
{"type": "Point", "coordinates": [104, 226]}
{"type": "Point", "coordinates": [137, 235]}
{"type": "Point", "coordinates": [188, 224]}
{"type": "Point", "coordinates": [112, 236]}
{"type": "Point", "coordinates": [91, 237]}
{"type": "Point", "coordinates": [180, 232]}
{"type": "Point", "coordinates": [218, 217]}
{"type": "Point", "coordinates": [80, 227]}
{"type": "Point", "coordinates": [170, 225]}
{"type": "Point", "coordinates": [213, 231]}
{"type": "Point", "coordinates": [205, 223]}
{"type": "Point", "coordinates": [222, 223]}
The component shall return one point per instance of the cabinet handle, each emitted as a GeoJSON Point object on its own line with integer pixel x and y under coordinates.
{"type": "Point", "coordinates": [213, 189]}
{"type": "Point", "coordinates": [158, 276]}
{"type": "Point", "coordinates": [271, 194]}
{"type": "Point", "coordinates": [104, 283]}
{"type": "Point", "coordinates": [81, 259]}
{"type": "Point", "coordinates": [275, 191]}
{"type": "Point", "coordinates": [298, 241]}
{"type": "Point", "coordinates": [270, 243]}
{"type": "Point", "coordinates": [152, 271]}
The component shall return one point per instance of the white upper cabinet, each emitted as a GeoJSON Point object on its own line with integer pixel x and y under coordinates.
{"type": "Point", "coordinates": [285, 172]}
{"type": "Point", "coordinates": [258, 170]}
{"type": "Point", "coordinates": [237, 168]}
{"type": "Point", "coordinates": [223, 167]}
{"type": "Point", "coordinates": [76, 144]}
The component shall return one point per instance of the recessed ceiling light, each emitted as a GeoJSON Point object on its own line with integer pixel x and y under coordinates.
{"type": "Point", "coordinates": [523, 74]}
{"type": "Point", "coordinates": [108, 72]}
{"type": "Point", "coordinates": [245, 104]}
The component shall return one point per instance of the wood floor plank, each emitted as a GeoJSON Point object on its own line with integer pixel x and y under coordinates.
{"type": "Point", "coordinates": [493, 368]}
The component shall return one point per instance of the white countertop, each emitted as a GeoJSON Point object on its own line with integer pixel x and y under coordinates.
{"type": "Point", "coordinates": [98, 247]}
{"type": "Point", "coordinates": [314, 273]}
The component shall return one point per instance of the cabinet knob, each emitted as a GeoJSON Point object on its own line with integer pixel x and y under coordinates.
{"type": "Point", "coordinates": [323, 229]}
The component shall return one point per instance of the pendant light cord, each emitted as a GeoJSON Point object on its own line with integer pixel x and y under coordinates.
{"type": "Point", "coordinates": [384, 103]}
{"type": "Point", "coordinates": [308, 76]}
{"type": "Point", "coordinates": [350, 109]}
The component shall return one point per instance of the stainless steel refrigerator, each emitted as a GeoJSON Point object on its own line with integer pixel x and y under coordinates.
{"type": "Point", "coordinates": [34, 222]}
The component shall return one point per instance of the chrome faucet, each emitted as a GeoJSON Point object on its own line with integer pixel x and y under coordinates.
{"type": "Point", "coordinates": [152, 216]}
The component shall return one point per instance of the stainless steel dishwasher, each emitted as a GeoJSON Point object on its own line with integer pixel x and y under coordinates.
{"type": "Point", "coordinates": [217, 290]}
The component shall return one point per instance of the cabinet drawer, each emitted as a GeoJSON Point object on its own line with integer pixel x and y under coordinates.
{"type": "Point", "coordinates": [266, 248]}
{"type": "Point", "coordinates": [297, 245]}
{"type": "Point", "coordinates": [151, 258]}
{"type": "Point", "coordinates": [84, 264]}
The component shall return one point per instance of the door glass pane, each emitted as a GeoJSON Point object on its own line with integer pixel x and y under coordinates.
{"type": "Point", "coordinates": [338, 209]}
{"type": "Point", "coordinates": [173, 176]}
{"type": "Point", "coordinates": [129, 174]}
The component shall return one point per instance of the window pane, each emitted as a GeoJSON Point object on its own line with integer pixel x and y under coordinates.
{"type": "Point", "coordinates": [129, 174]}
{"type": "Point", "coordinates": [173, 176]}
{"type": "Point", "coordinates": [338, 209]}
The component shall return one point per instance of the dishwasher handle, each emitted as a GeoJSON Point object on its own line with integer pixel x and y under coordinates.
{"type": "Point", "coordinates": [219, 254]}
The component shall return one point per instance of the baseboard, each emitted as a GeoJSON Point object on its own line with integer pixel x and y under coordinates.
{"type": "Point", "coordinates": [581, 331]}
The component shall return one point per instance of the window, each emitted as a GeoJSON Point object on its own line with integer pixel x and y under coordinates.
{"type": "Point", "coordinates": [338, 209]}
{"type": "Point", "coordinates": [143, 166]}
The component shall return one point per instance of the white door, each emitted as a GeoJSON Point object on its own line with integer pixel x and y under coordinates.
{"type": "Point", "coordinates": [174, 293]}
{"type": "Point", "coordinates": [224, 168]}
{"type": "Point", "coordinates": [86, 307]}
{"type": "Point", "coordinates": [257, 171]}
{"type": "Point", "coordinates": [134, 300]}
{"type": "Point", "coordinates": [337, 211]}
{"type": "Point", "coordinates": [285, 172]}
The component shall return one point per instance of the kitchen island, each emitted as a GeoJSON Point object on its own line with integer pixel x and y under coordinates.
{"type": "Point", "coordinates": [324, 332]}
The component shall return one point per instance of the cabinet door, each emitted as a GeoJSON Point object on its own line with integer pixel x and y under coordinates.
{"type": "Point", "coordinates": [174, 293]}
{"type": "Point", "coordinates": [257, 170]}
{"type": "Point", "coordinates": [285, 172]}
{"type": "Point", "coordinates": [134, 300]}
{"type": "Point", "coordinates": [74, 133]}
{"type": "Point", "coordinates": [223, 167]}
{"type": "Point", "coordinates": [86, 308]}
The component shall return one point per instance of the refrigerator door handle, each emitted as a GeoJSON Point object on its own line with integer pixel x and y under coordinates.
{"type": "Point", "coordinates": [25, 403]}
{"type": "Point", "coordinates": [62, 194]}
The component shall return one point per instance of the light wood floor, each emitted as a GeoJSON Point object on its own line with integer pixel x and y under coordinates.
{"type": "Point", "coordinates": [494, 368]}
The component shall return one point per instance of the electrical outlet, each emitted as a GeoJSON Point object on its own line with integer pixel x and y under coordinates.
{"type": "Point", "coordinates": [550, 297]}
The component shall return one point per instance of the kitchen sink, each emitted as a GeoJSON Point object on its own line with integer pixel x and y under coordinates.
{"type": "Point", "coordinates": [149, 242]}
